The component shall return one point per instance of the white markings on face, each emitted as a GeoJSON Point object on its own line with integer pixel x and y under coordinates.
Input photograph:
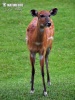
{"type": "Point", "coordinates": [41, 25]}
{"type": "Point", "coordinates": [41, 29]}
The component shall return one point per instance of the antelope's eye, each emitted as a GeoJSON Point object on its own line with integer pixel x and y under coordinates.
{"type": "Point", "coordinates": [42, 16]}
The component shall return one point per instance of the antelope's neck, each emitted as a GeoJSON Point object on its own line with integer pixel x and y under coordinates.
{"type": "Point", "coordinates": [39, 34]}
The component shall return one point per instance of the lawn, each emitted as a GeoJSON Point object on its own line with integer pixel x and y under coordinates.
{"type": "Point", "coordinates": [15, 68]}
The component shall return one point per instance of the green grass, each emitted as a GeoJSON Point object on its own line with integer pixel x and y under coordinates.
{"type": "Point", "coordinates": [15, 68]}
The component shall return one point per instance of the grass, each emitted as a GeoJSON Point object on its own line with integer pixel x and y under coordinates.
{"type": "Point", "coordinates": [15, 68]}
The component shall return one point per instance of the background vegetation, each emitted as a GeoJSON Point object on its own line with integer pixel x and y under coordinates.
{"type": "Point", "coordinates": [15, 68]}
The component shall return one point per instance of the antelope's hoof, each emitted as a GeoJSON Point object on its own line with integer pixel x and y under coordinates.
{"type": "Point", "coordinates": [32, 91]}
{"type": "Point", "coordinates": [45, 93]}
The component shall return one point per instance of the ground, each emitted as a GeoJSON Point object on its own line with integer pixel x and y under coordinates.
{"type": "Point", "coordinates": [15, 68]}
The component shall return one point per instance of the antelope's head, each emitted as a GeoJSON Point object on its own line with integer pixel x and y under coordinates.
{"type": "Point", "coordinates": [44, 16]}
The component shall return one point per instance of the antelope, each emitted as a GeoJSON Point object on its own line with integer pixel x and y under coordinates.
{"type": "Point", "coordinates": [39, 38]}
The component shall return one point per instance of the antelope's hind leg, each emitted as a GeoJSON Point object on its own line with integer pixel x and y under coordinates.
{"type": "Point", "coordinates": [42, 72]}
{"type": "Point", "coordinates": [46, 61]}
{"type": "Point", "coordinates": [32, 59]}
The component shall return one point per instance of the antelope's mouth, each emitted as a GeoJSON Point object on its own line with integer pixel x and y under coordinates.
{"type": "Point", "coordinates": [42, 26]}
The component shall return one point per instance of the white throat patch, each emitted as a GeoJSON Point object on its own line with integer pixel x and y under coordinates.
{"type": "Point", "coordinates": [41, 29]}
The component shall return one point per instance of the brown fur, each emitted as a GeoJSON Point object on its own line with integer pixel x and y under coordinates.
{"type": "Point", "coordinates": [34, 35]}
{"type": "Point", "coordinates": [39, 36]}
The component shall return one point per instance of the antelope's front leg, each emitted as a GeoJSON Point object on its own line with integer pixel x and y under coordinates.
{"type": "Point", "coordinates": [42, 72]}
{"type": "Point", "coordinates": [32, 59]}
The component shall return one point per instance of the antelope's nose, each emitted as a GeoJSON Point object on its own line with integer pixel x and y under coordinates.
{"type": "Point", "coordinates": [48, 24]}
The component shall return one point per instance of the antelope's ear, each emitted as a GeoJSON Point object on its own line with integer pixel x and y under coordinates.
{"type": "Point", "coordinates": [34, 13]}
{"type": "Point", "coordinates": [53, 11]}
